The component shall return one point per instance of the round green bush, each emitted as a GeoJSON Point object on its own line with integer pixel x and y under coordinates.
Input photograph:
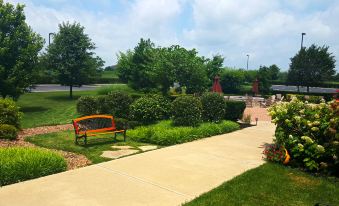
{"type": "Point", "coordinates": [115, 103]}
{"type": "Point", "coordinates": [213, 107]}
{"type": "Point", "coordinates": [22, 163]}
{"type": "Point", "coordinates": [186, 111]}
{"type": "Point", "coordinates": [234, 110]}
{"type": "Point", "coordinates": [9, 113]}
{"type": "Point", "coordinates": [8, 132]}
{"type": "Point", "coordinates": [150, 108]}
{"type": "Point", "coordinates": [87, 105]}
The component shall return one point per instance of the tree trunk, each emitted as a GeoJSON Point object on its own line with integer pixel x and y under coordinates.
{"type": "Point", "coordinates": [71, 91]}
{"type": "Point", "coordinates": [298, 88]}
{"type": "Point", "coordinates": [308, 89]}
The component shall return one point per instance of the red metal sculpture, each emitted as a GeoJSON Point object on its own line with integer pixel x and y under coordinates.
{"type": "Point", "coordinates": [216, 85]}
{"type": "Point", "coordinates": [255, 87]}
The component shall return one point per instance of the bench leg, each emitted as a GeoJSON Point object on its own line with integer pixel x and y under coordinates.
{"type": "Point", "coordinates": [76, 140]}
{"type": "Point", "coordinates": [125, 136]}
{"type": "Point", "coordinates": [115, 137]}
{"type": "Point", "coordinates": [85, 140]}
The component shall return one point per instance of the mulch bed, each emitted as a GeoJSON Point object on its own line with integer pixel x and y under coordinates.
{"type": "Point", "coordinates": [73, 160]}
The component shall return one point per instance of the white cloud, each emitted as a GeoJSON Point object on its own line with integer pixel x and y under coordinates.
{"type": "Point", "coordinates": [267, 30]}
{"type": "Point", "coordinates": [270, 31]}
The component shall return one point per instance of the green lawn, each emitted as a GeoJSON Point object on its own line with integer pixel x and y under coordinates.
{"type": "Point", "coordinates": [109, 74]}
{"type": "Point", "coordinates": [272, 184]}
{"type": "Point", "coordinates": [49, 108]}
{"type": "Point", "coordinates": [65, 141]}
{"type": "Point", "coordinates": [53, 108]}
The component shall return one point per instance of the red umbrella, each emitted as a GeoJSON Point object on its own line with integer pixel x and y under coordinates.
{"type": "Point", "coordinates": [255, 87]}
{"type": "Point", "coordinates": [216, 85]}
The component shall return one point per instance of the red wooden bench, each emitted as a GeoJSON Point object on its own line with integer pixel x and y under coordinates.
{"type": "Point", "coordinates": [95, 125]}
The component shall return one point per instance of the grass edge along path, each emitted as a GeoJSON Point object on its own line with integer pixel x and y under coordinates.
{"type": "Point", "coordinates": [272, 184]}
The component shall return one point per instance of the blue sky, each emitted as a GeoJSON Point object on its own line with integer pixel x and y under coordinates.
{"type": "Point", "coordinates": [268, 30]}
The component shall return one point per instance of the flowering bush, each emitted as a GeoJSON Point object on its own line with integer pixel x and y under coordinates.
{"type": "Point", "coordinates": [309, 133]}
{"type": "Point", "coordinates": [275, 153]}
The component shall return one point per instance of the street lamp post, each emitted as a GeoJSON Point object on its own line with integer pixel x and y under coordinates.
{"type": "Point", "coordinates": [302, 39]}
{"type": "Point", "coordinates": [248, 56]}
{"type": "Point", "coordinates": [49, 37]}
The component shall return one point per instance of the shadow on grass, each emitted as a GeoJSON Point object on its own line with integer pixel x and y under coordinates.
{"type": "Point", "coordinates": [92, 142]}
{"type": "Point", "coordinates": [33, 109]}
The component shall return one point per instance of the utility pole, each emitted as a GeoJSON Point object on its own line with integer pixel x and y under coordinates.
{"type": "Point", "coordinates": [49, 38]}
{"type": "Point", "coordinates": [302, 39]}
{"type": "Point", "coordinates": [248, 57]}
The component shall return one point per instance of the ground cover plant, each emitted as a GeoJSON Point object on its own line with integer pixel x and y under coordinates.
{"type": "Point", "coordinates": [272, 184]}
{"type": "Point", "coordinates": [165, 133]}
{"type": "Point", "coordinates": [310, 133]}
{"type": "Point", "coordinates": [22, 163]}
{"type": "Point", "coordinates": [65, 141]}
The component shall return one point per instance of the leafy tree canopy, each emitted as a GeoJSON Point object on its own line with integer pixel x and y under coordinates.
{"type": "Point", "coordinates": [311, 66]}
{"type": "Point", "coordinates": [19, 48]}
{"type": "Point", "coordinates": [148, 67]}
{"type": "Point", "coordinates": [71, 54]}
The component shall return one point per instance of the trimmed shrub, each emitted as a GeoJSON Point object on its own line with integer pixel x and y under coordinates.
{"type": "Point", "coordinates": [231, 80]}
{"type": "Point", "coordinates": [213, 107]}
{"type": "Point", "coordinates": [186, 111]}
{"type": "Point", "coordinates": [115, 103]}
{"type": "Point", "coordinates": [150, 108]}
{"type": "Point", "coordinates": [234, 110]}
{"type": "Point", "coordinates": [309, 132]}
{"type": "Point", "coordinates": [9, 113]}
{"type": "Point", "coordinates": [87, 105]}
{"type": "Point", "coordinates": [21, 163]}
{"type": "Point", "coordinates": [164, 133]}
{"type": "Point", "coordinates": [121, 123]}
{"type": "Point", "coordinates": [8, 132]}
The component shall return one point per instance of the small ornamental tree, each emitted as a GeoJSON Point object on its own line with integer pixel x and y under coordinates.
{"type": "Point", "coordinates": [71, 55]}
{"type": "Point", "coordinates": [19, 48]}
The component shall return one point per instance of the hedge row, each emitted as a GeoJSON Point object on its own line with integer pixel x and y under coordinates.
{"type": "Point", "coordinates": [185, 110]}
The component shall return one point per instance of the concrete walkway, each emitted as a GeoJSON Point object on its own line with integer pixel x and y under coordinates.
{"type": "Point", "coordinates": [168, 176]}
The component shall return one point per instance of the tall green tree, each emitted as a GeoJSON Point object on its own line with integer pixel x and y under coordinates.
{"type": "Point", "coordinates": [214, 66]}
{"type": "Point", "coordinates": [71, 54]}
{"type": "Point", "coordinates": [311, 66]}
{"type": "Point", "coordinates": [148, 67]}
{"type": "Point", "coordinates": [19, 48]}
{"type": "Point", "coordinates": [264, 77]}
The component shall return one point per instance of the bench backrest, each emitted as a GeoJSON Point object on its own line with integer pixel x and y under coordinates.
{"type": "Point", "coordinates": [94, 123]}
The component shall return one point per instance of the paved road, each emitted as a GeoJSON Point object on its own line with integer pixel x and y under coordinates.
{"type": "Point", "coordinates": [56, 87]}
{"type": "Point", "coordinates": [303, 89]}
{"type": "Point", "coordinates": [168, 176]}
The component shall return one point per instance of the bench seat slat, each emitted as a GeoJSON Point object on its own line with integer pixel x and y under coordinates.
{"type": "Point", "coordinates": [95, 134]}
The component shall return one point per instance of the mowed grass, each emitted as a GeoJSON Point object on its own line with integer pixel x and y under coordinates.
{"type": "Point", "coordinates": [96, 145]}
{"type": "Point", "coordinates": [53, 108]}
{"type": "Point", "coordinates": [272, 184]}
{"type": "Point", "coordinates": [49, 108]}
